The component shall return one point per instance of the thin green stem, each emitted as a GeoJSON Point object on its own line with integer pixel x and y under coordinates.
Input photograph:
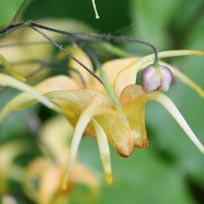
{"type": "Point", "coordinates": [95, 9]}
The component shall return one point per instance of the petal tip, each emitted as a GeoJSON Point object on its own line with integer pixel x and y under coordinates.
{"type": "Point", "coordinates": [65, 181]}
{"type": "Point", "coordinates": [125, 154]}
{"type": "Point", "coordinates": [172, 109]}
{"type": "Point", "coordinates": [109, 178]}
{"type": "Point", "coordinates": [142, 143]}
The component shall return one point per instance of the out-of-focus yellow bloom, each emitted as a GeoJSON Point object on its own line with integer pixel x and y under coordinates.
{"type": "Point", "coordinates": [8, 168]}
{"type": "Point", "coordinates": [115, 114]}
{"type": "Point", "coordinates": [8, 199]}
{"type": "Point", "coordinates": [43, 176]}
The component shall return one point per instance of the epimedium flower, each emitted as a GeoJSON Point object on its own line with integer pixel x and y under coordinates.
{"type": "Point", "coordinates": [52, 164]}
{"type": "Point", "coordinates": [113, 111]}
{"type": "Point", "coordinates": [9, 169]}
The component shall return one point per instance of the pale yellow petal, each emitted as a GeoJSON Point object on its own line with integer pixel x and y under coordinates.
{"type": "Point", "coordinates": [8, 81]}
{"type": "Point", "coordinates": [77, 136]}
{"type": "Point", "coordinates": [146, 60]}
{"type": "Point", "coordinates": [55, 135]}
{"type": "Point", "coordinates": [92, 110]}
{"type": "Point", "coordinates": [48, 177]}
{"type": "Point", "coordinates": [60, 82]}
{"type": "Point", "coordinates": [8, 152]}
{"type": "Point", "coordinates": [104, 150]}
{"type": "Point", "coordinates": [172, 109]}
{"type": "Point", "coordinates": [24, 100]}
{"type": "Point", "coordinates": [185, 79]}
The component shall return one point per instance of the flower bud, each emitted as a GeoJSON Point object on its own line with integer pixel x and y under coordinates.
{"type": "Point", "coordinates": [156, 78]}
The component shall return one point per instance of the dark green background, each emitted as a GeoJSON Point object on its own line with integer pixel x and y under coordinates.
{"type": "Point", "coordinates": [171, 169]}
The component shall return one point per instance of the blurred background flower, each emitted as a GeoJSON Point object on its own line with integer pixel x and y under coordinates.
{"type": "Point", "coordinates": [170, 170]}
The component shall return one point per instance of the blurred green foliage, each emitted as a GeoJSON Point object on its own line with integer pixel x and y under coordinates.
{"type": "Point", "coordinates": [171, 169]}
{"type": "Point", "coordinates": [7, 10]}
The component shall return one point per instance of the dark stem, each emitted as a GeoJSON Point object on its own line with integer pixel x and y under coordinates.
{"type": "Point", "coordinates": [35, 26]}
{"type": "Point", "coordinates": [12, 28]}
{"type": "Point", "coordinates": [80, 37]}
{"type": "Point", "coordinates": [60, 47]}
{"type": "Point", "coordinates": [77, 38]}
{"type": "Point", "coordinates": [120, 39]}
{"type": "Point", "coordinates": [90, 53]}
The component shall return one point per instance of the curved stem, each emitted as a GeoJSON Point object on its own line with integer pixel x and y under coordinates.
{"type": "Point", "coordinates": [68, 54]}
{"type": "Point", "coordinates": [122, 39]}
{"type": "Point", "coordinates": [95, 9]}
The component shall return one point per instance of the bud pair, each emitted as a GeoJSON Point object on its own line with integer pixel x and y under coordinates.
{"type": "Point", "coordinates": [155, 78]}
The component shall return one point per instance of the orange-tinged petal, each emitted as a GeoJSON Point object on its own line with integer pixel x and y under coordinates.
{"type": "Point", "coordinates": [94, 103]}
{"type": "Point", "coordinates": [82, 175]}
{"type": "Point", "coordinates": [133, 100]}
{"type": "Point", "coordinates": [119, 134]}
{"type": "Point", "coordinates": [96, 107]}
{"type": "Point", "coordinates": [55, 136]}
{"type": "Point", "coordinates": [48, 177]}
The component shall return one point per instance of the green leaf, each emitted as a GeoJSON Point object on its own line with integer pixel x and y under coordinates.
{"type": "Point", "coordinates": [8, 9]}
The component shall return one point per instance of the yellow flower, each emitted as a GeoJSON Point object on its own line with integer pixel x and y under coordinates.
{"type": "Point", "coordinates": [36, 176]}
{"type": "Point", "coordinates": [9, 151]}
{"type": "Point", "coordinates": [114, 111]}
{"type": "Point", "coordinates": [52, 165]}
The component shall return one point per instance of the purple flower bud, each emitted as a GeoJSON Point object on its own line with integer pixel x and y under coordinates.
{"type": "Point", "coordinates": [167, 77]}
{"type": "Point", "coordinates": [156, 78]}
